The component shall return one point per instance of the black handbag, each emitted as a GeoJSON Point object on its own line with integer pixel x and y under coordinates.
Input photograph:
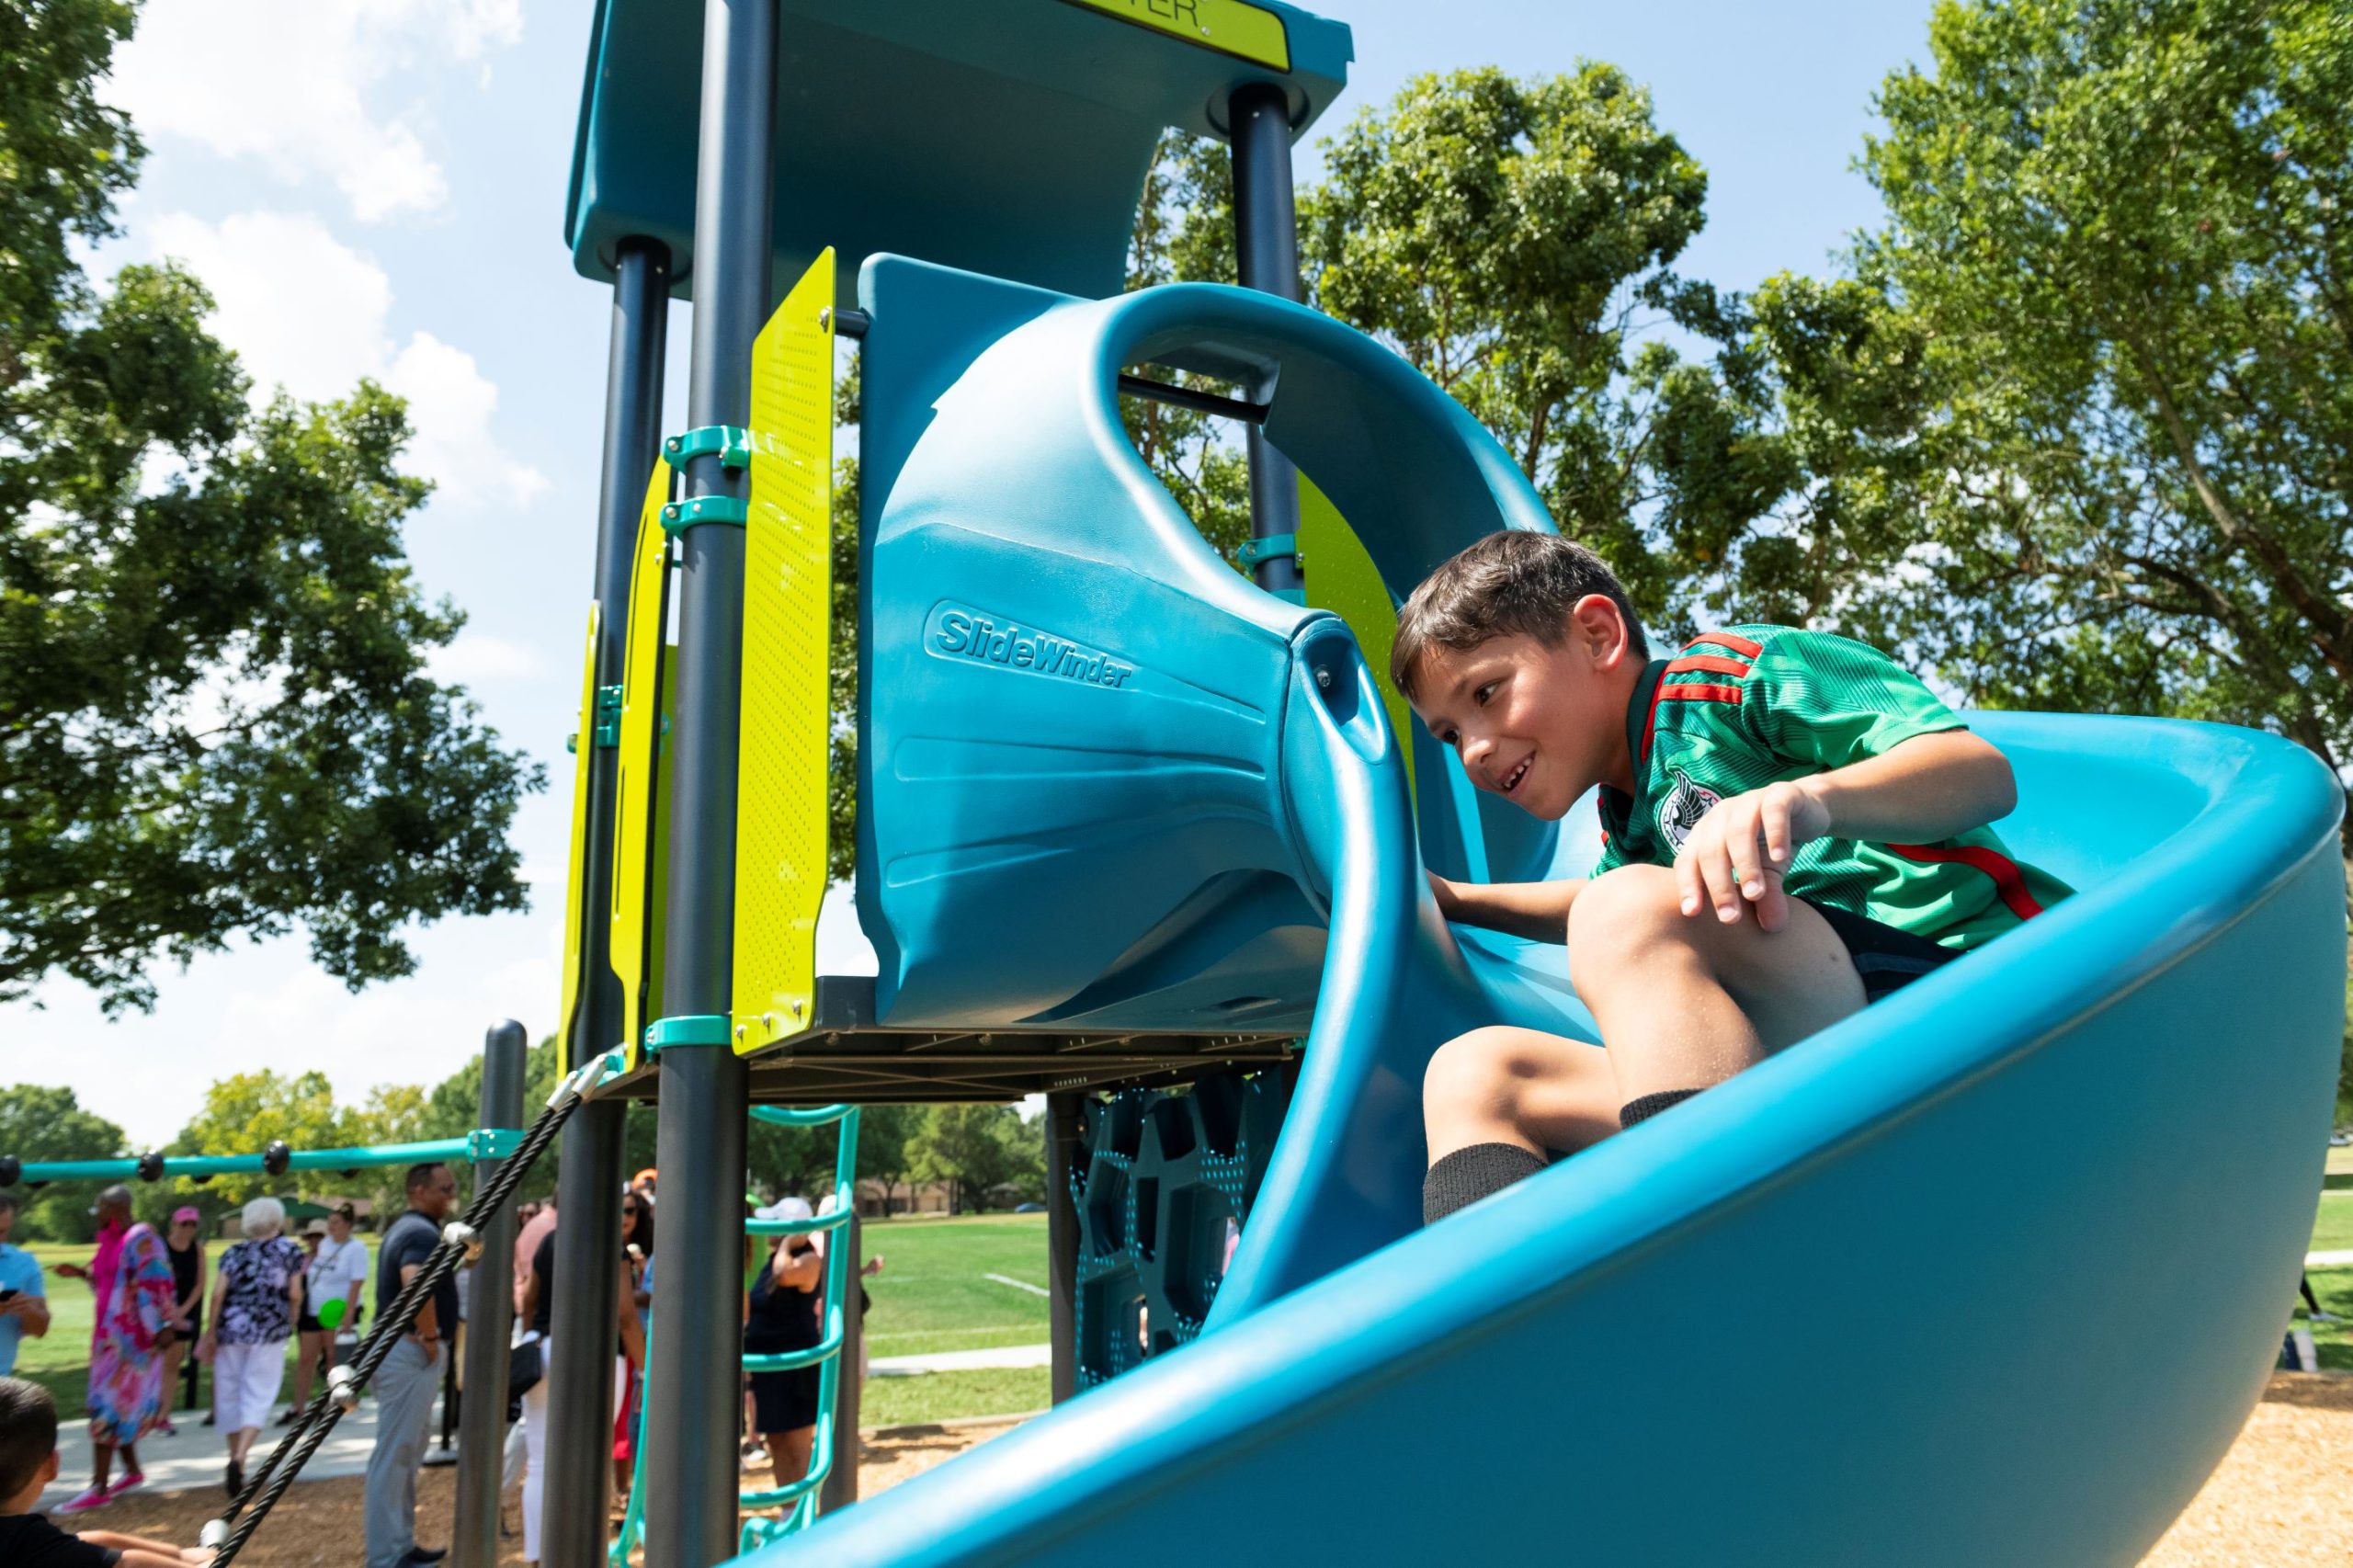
{"type": "Point", "coordinates": [526, 1365]}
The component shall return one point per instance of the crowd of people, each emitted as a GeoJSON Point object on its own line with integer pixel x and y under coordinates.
{"type": "Point", "coordinates": [155, 1302]}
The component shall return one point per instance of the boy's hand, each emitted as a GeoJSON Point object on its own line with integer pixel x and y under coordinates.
{"type": "Point", "coordinates": [1738, 853]}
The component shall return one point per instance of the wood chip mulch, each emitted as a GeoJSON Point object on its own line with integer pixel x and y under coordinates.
{"type": "Point", "coordinates": [2283, 1497]}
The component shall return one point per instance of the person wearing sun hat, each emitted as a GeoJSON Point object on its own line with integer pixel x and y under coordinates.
{"type": "Point", "coordinates": [184, 1246]}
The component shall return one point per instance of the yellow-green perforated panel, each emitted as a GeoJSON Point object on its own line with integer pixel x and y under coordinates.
{"type": "Point", "coordinates": [1341, 578]}
{"type": "Point", "coordinates": [788, 612]}
{"type": "Point", "coordinates": [636, 798]}
{"type": "Point", "coordinates": [575, 886]}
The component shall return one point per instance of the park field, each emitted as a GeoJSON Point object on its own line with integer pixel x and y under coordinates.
{"type": "Point", "coordinates": [978, 1283]}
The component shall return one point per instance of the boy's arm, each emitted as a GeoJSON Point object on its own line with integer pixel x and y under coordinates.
{"type": "Point", "coordinates": [138, 1551]}
{"type": "Point", "coordinates": [1924, 789]}
{"type": "Point", "coordinates": [1539, 911]}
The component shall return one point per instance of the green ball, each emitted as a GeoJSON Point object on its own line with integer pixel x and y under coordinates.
{"type": "Point", "coordinates": [331, 1313]}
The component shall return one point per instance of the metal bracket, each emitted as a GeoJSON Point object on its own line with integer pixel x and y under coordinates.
{"type": "Point", "coordinates": [1294, 595]}
{"type": "Point", "coordinates": [730, 442]}
{"type": "Point", "coordinates": [493, 1142]}
{"type": "Point", "coordinates": [1274, 547]}
{"type": "Point", "coordinates": [680, 516]}
{"type": "Point", "coordinates": [695, 1028]}
{"type": "Point", "coordinates": [609, 716]}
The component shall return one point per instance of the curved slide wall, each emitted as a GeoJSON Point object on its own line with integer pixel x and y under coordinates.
{"type": "Point", "coordinates": [1857, 1306]}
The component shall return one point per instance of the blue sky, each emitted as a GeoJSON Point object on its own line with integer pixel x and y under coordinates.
{"type": "Point", "coordinates": [376, 188]}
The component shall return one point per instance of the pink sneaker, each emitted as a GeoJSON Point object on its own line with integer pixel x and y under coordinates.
{"type": "Point", "coordinates": [136, 1478]}
{"type": "Point", "coordinates": [84, 1502]}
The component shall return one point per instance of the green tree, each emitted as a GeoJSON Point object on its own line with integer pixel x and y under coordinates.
{"type": "Point", "coordinates": [1512, 239]}
{"type": "Point", "coordinates": [393, 1113]}
{"type": "Point", "coordinates": [976, 1149]}
{"type": "Point", "coordinates": [2078, 434]}
{"type": "Point", "coordinates": [245, 1113]}
{"type": "Point", "coordinates": [39, 1122]}
{"type": "Point", "coordinates": [453, 1108]}
{"type": "Point", "coordinates": [885, 1138]}
{"type": "Point", "coordinates": [215, 718]}
{"type": "Point", "coordinates": [795, 1161]}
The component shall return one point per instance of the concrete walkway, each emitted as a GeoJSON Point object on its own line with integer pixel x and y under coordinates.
{"type": "Point", "coordinates": [2337, 1259]}
{"type": "Point", "coordinates": [197, 1456]}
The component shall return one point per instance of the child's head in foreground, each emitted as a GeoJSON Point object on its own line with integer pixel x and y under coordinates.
{"type": "Point", "coordinates": [28, 1443]}
{"type": "Point", "coordinates": [1522, 654]}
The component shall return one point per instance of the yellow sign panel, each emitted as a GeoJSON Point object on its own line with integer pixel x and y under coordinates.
{"type": "Point", "coordinates": [637, 799]}
{"type": "Point", "coordinates": [576, 889]}
{"type": "Point", "coordinates": [1343, 579]}
{"type": "Point", "coordinates": [1230, 27]}
{"type": "Point", "coordinates": [788, 623]}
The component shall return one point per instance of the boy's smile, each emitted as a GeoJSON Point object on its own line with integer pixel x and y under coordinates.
{"type": "Point", "coordinates": [1539, 725]}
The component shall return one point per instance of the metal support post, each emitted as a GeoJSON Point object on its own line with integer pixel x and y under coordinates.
{"type": "Point", "coordinates": [840, 1489]}
{"type": "Point", "coordinates": [1266, 243]}
{"type": "Point", "coordinates": [1062, 1240]}
{"type": "Point", "coordinates": [578, 1452]}
{"type": "Point", "coordinates": [689, 1471]}
{"type": "Point", "coordinates": [489, 1320]}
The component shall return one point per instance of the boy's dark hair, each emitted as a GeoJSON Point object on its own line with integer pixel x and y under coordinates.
{"type": "Point", "coordinates": [1515, 581]}
{"type": "Point", "coordinates": [420, 1176]}
{"type": "Point", "coordinates": [10, 1202]}
{"type": "Point", "coordinates": [28, 1432]}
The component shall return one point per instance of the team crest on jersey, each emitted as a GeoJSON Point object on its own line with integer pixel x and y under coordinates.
{"type": "Point", "coordinates": [1683, 806]}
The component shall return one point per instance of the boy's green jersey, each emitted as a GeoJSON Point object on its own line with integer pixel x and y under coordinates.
{"type": "Point", "coordinates": [1742, 708]}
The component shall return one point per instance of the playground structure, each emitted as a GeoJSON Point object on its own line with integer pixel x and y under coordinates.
{"type": "Point", "coordinates": [1130, 821]}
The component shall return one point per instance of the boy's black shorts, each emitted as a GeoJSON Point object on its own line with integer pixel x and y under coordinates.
{"type": "Point", "coordinates": [1888, 959]}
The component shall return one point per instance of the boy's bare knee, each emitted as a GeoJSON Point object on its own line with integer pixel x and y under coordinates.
{"type": "Point", "coordinates": [1471, 1073]}
{"type": "Point", "coordinates": [1618, 917]}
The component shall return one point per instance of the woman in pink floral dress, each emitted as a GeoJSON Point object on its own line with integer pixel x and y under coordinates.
{"type": "Point", "coordinates": [132, 1278]}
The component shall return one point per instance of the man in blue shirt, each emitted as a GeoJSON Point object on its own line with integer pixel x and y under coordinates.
{"type": "Point", "coordinates": [23, 1307]}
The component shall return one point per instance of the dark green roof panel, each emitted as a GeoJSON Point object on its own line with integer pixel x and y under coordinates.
{"type": "Point", "coordinates": [1009, 137]}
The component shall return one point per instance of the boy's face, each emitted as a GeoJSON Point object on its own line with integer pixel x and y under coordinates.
{"type": "Point", "coordinates": [1537, 725]}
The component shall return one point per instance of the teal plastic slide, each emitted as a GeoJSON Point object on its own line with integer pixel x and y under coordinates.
{"type": "Point", "coordinates": [1991, 1273]}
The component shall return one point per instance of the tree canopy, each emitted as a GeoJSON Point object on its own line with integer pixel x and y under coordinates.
{"type": "Point", "coordinates": [40, 1123]}
{"type": "Point", "coordinates": [215, 716]}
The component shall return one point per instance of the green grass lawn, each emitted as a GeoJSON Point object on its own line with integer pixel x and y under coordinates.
{"type": "Point", "coordinates": [934, 1292]}
{"type": "Point", "coordinates": [2332, 1232]}
{"type": "Point", "coordinates": [947, 1396]}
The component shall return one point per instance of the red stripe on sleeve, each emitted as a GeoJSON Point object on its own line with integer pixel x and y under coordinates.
{"type": "Point", "coordinates": [1740, 645]}
{"type": "Point", "coordinates": [2008, 880]}
{"type": "Point", "coordinates": [1696, 691]}
{"type": "Point", "coordinates": [1710, 663]}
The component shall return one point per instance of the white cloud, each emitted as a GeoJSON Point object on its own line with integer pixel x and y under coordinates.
{"type": "Point", "coordinates": [304, 85]}
{"type": "Point", "coordinates": [302, 310]}
{"type": "Point", "coordinates": [307, 312]}
{"type": "Point", "coordinates": [450, 403]}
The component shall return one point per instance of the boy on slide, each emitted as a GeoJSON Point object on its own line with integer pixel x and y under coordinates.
{"type": "Point", "coordinates": [1793, 827]}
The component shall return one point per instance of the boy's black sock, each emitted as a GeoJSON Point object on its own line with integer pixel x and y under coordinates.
{"type": "Point", "coordinates": [1649, 1105]}
{"type": "Point", "coordinates": [1469, 1174]}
